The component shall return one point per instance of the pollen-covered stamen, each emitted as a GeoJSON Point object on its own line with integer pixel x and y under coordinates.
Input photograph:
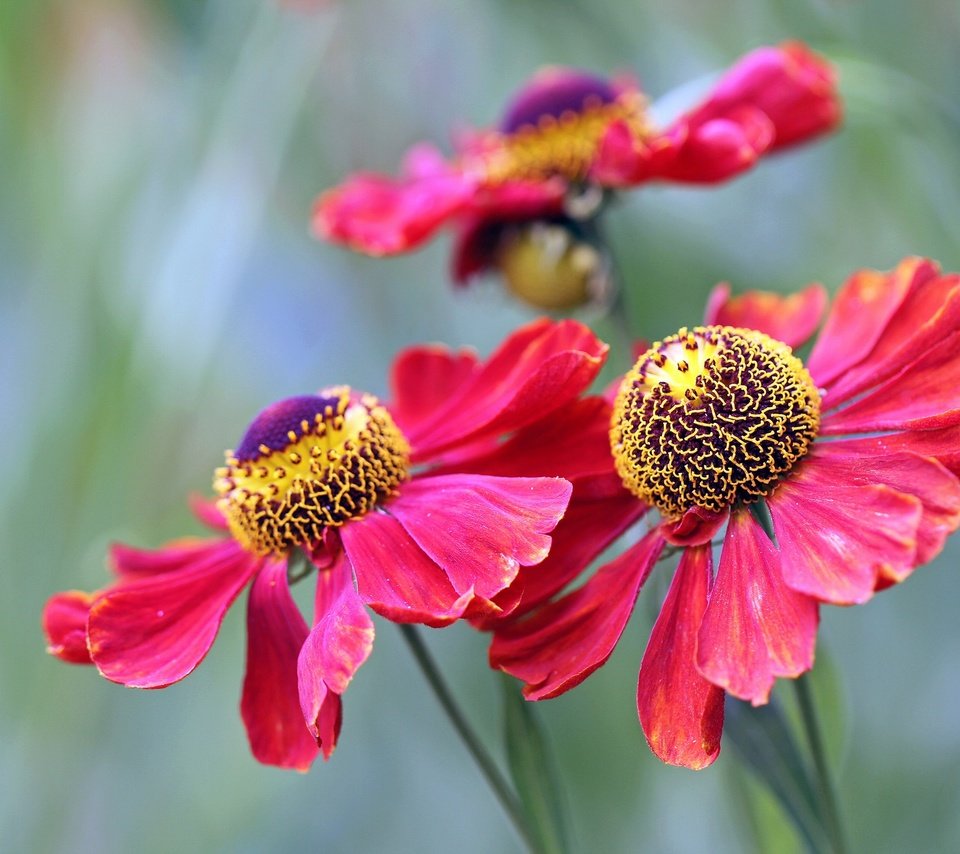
{"type": "Point", "coordinates": [309, 463]}
{"type": "Point", "coordinates": [712, 417]}
{"type": "Point", "coordinates": [561, 142]}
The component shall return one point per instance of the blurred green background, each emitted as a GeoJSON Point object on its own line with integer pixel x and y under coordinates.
{"type": "Point", "coordinates": [158, 286]}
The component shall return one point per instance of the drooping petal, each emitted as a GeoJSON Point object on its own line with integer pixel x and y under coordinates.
{"type": "Point", "coordinates": [479, 529]}
{"type": "Point", "coordinates": [791, 319]}
{"type": "Point", "coordinates": [340, 642]}
{"type": "Point", "coordinates": [154, 630]}
{"type": "Point", "coordinates": [791, 85]}
{"type": "Point", "coordinates": [395, 577]}
{"type": "Point", "coordinates": [561, 644]}
{"type": "Point", "coordinates": [923, 395]}
{"type": "Point", "coordinates": [755, 628]}
{"type": "Point", "coordinates": [270, 704]}
{"type": "Point", "coordinates": [860, 313]}
{"type": "Point", "coordinates": [862, 463]}
{"type": "Point", "coordinates": [423, 379]}
{"type": "Point", "coordinates": [592, 522]}
{"type": "Point", "coordinates": [131, 562]}
{"type": "Point", "coordinates": [681, 712]}
{"type": "Point", "coordinates": [696, 527]}
{"type": "Point", "coordinates": [541, 367]}
{"type": "Point", "coordinates": [65, 625]}
{"type": "Point", "coordinates": [943, 445]}
{"type": "Point", "coordinates": [208, 512]}
{"type": "Point", "coordinates": [379, 215]}
{"type": "Point", "coordinates": [836, 535]}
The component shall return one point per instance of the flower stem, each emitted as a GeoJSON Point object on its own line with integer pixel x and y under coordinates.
{"type": "Point", "coordinates": [826, 790]}
{"type": "Point", "coordinates": [501, 788]}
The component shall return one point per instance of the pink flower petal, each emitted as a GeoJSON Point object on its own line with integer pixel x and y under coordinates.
{"type": "Point", "coordinates": [858, 317]}
{"type": "Point", "coordinates": [695, 528]}
{"type": "Point", "coordinates": [540, 368]}
{"type": "Point", "coordinates": [755, 628]}
{"type": "Point", "coordinates": [592, 522]}
{"type": "Point", "coordinates": [928, 316]}
{"type": "Point", "coordinates": [791, 85]}
{"type": "Point", "coordinates": [861, 462]}
{"type": "Point", "coordinates": [836, 535]}
{"type": "Point", "coordinates": [943, 445]}
{"type": "Point", "coordinates": [270, 705]}
{"type": "Point", "coordinates": [479, 529]}
{"type": "Point", "coordinates": [65, 625]}
{"type": "Point", "coordinates": [339, 644]}
{"type": "Point", "coordinates": [131, 562]}
{"type": "Point", "coordinates": [151, 631]}
{"type": "Point", "coordinates": [423, 380]}
{"type": "Point", "coordinates": [383, 216]}
{"type": "Point", "coordinates": [564, 642]}
{"type": "Point", "coordinates": [681, 712]}
{"type": "Point", "coordinates": [924, 395]}
{"type": "Point", "coordinates": [791, 319]}
{"type": "Point", "coordinates": [208, 512]}
{"type": "Point", "coordinates": [395, 577]}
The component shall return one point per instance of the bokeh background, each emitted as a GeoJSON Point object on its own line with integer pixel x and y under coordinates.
{"type": "Point", "coordinates": [158, 286]}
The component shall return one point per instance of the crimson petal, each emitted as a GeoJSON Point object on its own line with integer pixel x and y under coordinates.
{"type": "Point", "coordinates": [340, 642]}
{"type": "Point", "coordinates": [395, 577]}
{"type": "Point", "coordinates": [791, 319]}
{"type": "Point", "coordinates": [270, 705]}
{"type": "Point", "coordinates": [481, 529]}
{"type": "Point", "coordinates": [423, 380]}
{"type": "Point", "coordinates": [755, 628]}
{"type": "Point", "coordinates": [154, 630]}
{"type": "Point", "coordinates": [681, 712]}
{"type": "Point", "coordinates": [65, 625]}
{"type": "Point", "coordinates": [564, 642]}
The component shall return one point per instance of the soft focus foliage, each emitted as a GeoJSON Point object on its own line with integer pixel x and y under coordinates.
{"type": "Point", "coordinates": [158, 286]}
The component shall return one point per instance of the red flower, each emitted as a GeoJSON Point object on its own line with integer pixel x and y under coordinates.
{"type": "Point", "coordinates": [374, 496]}
{"type": "Point", "coordinates": [856, 455]}
{"type": "Point", "coordinates": [566, 138]}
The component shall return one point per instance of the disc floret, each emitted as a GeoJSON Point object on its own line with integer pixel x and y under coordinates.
{"type": "Point", "coordinates": [310, 463]}
{"type": "Point", "coordinates": [712, 417]}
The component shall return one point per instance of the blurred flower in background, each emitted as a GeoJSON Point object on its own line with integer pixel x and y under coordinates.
{"type": "Point", "coordinates": [525, 197]}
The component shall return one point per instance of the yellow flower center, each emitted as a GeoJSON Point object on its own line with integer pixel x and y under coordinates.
{"type": "Point", "coordinates": [309, 463]}
{"type": "Point", "coordinates": [712, 417]}
{"type": "Point", "coordinates": [564, 145]}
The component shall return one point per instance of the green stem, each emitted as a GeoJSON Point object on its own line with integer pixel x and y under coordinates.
{"type": "Point", "coordinates": [826, 790]}
{"type": "Point", "coordinates": [501, 788]}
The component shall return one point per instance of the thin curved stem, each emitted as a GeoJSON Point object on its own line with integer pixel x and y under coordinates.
{"type": "Point", "coordinates": [501, 788]}
{"type": "Point", "coordinates": [826, 789]}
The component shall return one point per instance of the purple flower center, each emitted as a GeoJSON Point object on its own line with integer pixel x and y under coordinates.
{"type": "Point", "coordinates": [272, 427]}
{"type": "Point", "coordinates": [553, 93]}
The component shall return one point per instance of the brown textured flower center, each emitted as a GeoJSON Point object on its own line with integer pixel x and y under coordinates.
{"type": "Point", "coordinates": [712, 417]}
{"type": "Point", "coordinates": [309, 463]}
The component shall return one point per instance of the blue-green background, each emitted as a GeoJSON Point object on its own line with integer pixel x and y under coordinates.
{"type": "Point", "coordinates": [158, 285]}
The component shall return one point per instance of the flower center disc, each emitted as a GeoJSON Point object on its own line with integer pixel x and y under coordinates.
{"type": "Point", "coordinates": [556, 125]}
{"type": "Point", "coordinates": [309, 463]}
{"type": "Point", "coordinates": [712, 417]}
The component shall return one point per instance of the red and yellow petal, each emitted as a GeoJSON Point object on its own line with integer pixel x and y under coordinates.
{"type": "Point", "coordinates": [791, 319]}
{"type": "Point", "coordinates": [755, 628]}
{"type": "Point", "coordinates": [565, 641]}
{"type": "Point", "coordinates": [680, 711]}
{"type": "Point", "coordinates": [270, 703]}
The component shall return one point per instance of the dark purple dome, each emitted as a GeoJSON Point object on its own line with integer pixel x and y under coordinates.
{"type": "Point", "coordinates": [272, 425]}
{"type": "Point", "coordinates": [552, 93]}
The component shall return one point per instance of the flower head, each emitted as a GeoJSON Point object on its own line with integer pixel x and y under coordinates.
{"type": "Point", "coordinates": [380, 500]}
{"type": "Point", "coordinates": [854, 452]}
{"type": "Point", "coordinates": [566, 141]}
